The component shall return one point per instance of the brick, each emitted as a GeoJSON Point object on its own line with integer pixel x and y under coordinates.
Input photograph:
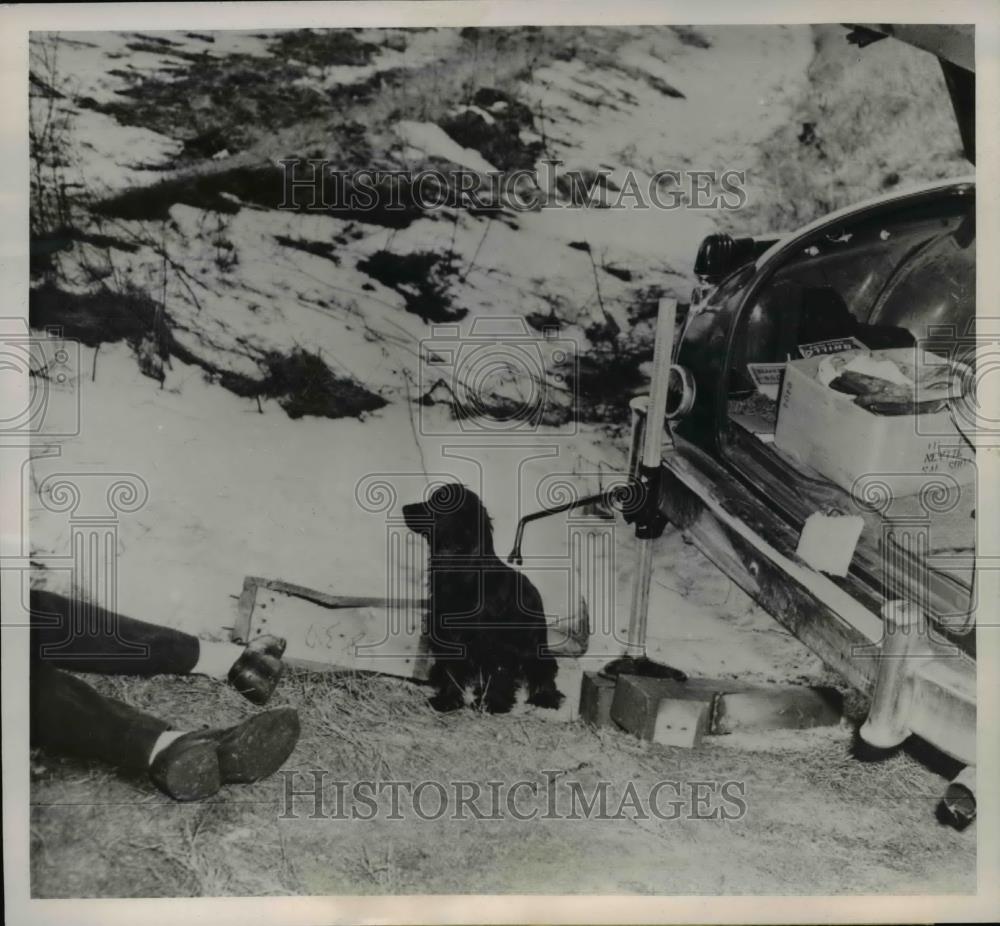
{"type": "Point", "coordinates": [779, 708]}
{"type": "Point", "coordinates": [596, 695]}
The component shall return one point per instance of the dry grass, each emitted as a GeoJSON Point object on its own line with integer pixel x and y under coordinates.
{"type": "Point", "coordinates": [817, 820]}
{"type": "Point", "coordinates": [880, 118]}
{"type": "Point", "coordinates": [262, 109]}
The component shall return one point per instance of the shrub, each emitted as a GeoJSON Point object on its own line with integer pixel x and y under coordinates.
{"type": "Point", "coordinates": [499, 141]}
{"type": "Point", "coordinates": [420, 278]}
{"type": "Point", "coordinates": [105, 316]}
{"type": "Point", "coordinates": [303, 384]}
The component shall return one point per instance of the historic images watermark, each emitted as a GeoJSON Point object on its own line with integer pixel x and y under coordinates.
{"type": "Point", "coordinates": [971, 360]}
{"type": "Point", "coordinates": [41, 372]}
{"type": "Point", "coordinates": [498, 376]}
{"type": "Point", "coordinates": [316, 183]}
{"type": "Point", "coordinates": [316, 794]}
{"type": "Point", "coordinates": [50, 362]}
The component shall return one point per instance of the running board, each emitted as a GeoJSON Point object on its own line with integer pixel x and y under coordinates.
{"type": "Point", "coordinates": [920, 683]}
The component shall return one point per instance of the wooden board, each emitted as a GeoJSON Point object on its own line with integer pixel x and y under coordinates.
{"type": "Point", "coordinates": [334, 631]}
{"type": "Point", "coordinates": [364, 634]}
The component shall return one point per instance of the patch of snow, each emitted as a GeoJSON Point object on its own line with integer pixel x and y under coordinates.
{"type": "Point", "coordinates": [293, 507]}
{"type": "Point", "coordinates": [112, 157]}
{"type": "Point", "coordinates": [232, 492]}
{"type": "Point", "coordinates": [434, 141]}
{"type": "Point", "coordinates": [477, 110]}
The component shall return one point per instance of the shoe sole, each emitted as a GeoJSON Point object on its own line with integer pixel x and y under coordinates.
{"type": "Point", "coordinates": [268, 645]}
{"type": "Point", "coordinates": [192, 776]}
{"type": "Point", "coordinates": [258, 676]}
{"type": "Point", "coordinates": [258, 747]}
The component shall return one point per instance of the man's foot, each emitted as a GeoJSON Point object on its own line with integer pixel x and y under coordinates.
{"type": "Point", "coordinates": [257, 672]}
{"type": "Point", "coordinates": [194, 766]}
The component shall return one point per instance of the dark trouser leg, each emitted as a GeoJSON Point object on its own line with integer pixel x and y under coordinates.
{"type": "Point", "coordinates": [70, 717]}
{"type": "Point", "coordinates": [87, 639]}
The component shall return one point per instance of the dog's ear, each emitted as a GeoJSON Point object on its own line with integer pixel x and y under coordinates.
{"type": "Point", "coordinates": [485, 521]}
{"type": "Point", "coordinates": [480, 524]}
{"type": "Point", "coordinates": [459, 523]}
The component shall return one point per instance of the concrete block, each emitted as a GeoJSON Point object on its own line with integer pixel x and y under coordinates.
{"type": "Point", "coordinates": [596, 695]}
{"type": "Point", "coordinates": [634, 704]}
{"type": "Point", "coordinates": [681, 722]}
{"type": "Point", "coordinates": [663, 710]}
{"type": "Point", "coordinates": [778, 708]}
{"type": "Point", "coordinates": [670, 712]}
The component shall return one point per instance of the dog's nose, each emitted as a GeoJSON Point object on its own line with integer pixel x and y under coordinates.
{"type": "Point", "coordinates": [415, 516]}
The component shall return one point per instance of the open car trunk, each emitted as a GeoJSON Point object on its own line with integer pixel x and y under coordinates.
{"type": "Point", "coordinates": [891, 280]}
{"type": "Point", "coordinates": [901, 277]}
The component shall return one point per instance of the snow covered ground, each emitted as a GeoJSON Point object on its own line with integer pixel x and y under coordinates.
{"type": "Point", "coordinates": [236, 490]}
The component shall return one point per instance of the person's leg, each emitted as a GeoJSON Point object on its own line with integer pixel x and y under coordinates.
{"type": "Point", "coordinates": [67, 716]}
{"type": "Point", "coordinates": [84, 638]}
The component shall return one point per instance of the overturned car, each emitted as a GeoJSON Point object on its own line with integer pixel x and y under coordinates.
{"type": "Point", "coordinates": [823, 427]}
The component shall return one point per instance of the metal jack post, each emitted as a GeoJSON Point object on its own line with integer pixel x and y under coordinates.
{"type": "Point", "coordinates": [639, 501]}
{"type": "Point", "coordinates": [905, 641]}
{"type": "Point", "coordinates": [646, 514]}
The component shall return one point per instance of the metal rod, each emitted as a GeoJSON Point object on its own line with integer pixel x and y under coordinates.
{"type": "Point", "coordinates": [515, 553]}
{"type": "Point", "coordinates": [639, 612]}
{"type": "Point", "coordinates": [904, 638]}
{"type": "Point", "coordinates": [659, 383]}
{"type": "Point", "coordinates": [638, 407]}
{"type": "Point", "coordinates": [652, 449]}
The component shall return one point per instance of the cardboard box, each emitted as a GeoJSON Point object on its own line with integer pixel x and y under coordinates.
{"type": "Point", "coordinates": [824, 429]}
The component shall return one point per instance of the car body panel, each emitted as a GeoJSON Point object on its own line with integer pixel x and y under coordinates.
{"type": "Point", "coordinates": [744, 502]}
{"type": "Point", "coordinates": [752, 505]}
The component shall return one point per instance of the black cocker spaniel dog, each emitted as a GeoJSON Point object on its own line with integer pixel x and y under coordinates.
{"type": "Point", "coordinates": [486, 623]}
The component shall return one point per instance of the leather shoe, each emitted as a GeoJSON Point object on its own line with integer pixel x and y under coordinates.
{"type": "Point", "coordinates": [257, 672]}
{"type": "Point", "coordinates": [196, 765]}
